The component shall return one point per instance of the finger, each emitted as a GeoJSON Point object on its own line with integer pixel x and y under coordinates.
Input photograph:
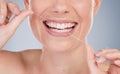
{"type": "Point", "coordinates": [117, 62]}
{"type": "Point", "coordinates": [100, 59]}
{"type": "Point", "coordinates": [13, 8]}
{"type": "Point", "coordinates": [18, 19]}
{"type": "Point", "coordinates": [92, 64]}
{"type": "Point", "coordinates": [105, 51]}
{"type": "Point", "coordinates": [113, 56]}
{"type": "Point", "coordinates": [3, 11]}
{"type": "Point", "coordinates": [108, 54]}
{"type": "Point", "coordinates": [91, 56]}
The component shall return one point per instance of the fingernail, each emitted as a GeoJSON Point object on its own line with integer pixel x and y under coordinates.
{"type": "Point", "coordinates": [1, 17]}
{"type": "Point", "coordinates": [100, 59]}
{"type": "Point", "coordinates": [117, 62]}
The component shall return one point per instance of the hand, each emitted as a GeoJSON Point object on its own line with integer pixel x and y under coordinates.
{"type": "Point", "coordinates": [113, 55]}
{"type": "Point", "coordinates": [9, 25]}
{"type": "Point", "coordinates": [92, 63]}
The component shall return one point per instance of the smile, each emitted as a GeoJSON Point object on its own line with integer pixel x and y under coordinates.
{"type": "Point", "coordinates": [59, 28]}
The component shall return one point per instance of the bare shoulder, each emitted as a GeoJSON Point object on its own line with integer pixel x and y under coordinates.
{"type": "Point", "coordinates": [10, 62]}
{"type": "Point", "coordinates": [30, 56]}
{"type": "Point", "coordinates": [15, 62]}
{"type": "Point", "coordinates": [31, 59]}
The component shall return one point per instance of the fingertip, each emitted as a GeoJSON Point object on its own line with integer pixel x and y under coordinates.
{"type": "Point", "coordinates": [30, 11]}
{"type": "Point", "coordinates": [19, 18]}
{"type": "Point", "coordinates": [100, 59]}
{"type": "Point", "coordinates": [27, 12]}
{"type": "Point", "coordinates": [100, 52]}
{"type": "Point", "coordinates": [117, 62]}
{"type": "Point", "coordinates": [97, 54]}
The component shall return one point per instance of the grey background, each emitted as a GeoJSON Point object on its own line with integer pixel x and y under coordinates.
{"type": "Point", "coordinates": [105, 32]}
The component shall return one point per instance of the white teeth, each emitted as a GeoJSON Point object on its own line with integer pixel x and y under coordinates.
{"type": "Point", "coordinates": [61, 31]}
{"type": "Point", "coordinates": [70, 24]}
{"type": "Point", "coordinates": [60, 25]}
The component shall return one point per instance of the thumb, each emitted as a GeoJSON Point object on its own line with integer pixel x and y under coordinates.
{"type": "Point", "coordinates": [91, 58]}
{"type": "Point", "coordinates": [18, 19]}
{"type": "Point", "coordinates": [94, 69]}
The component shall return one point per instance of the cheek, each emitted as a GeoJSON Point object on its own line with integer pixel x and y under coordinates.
{"type": "Point", "coordinates": [85, 14]}
{"type": "Point", "coordinates": [39, 6]}
{"type": "Point", "coordinates": [84, 10]}
{"type": "Point", "coordinates": [35, 27]}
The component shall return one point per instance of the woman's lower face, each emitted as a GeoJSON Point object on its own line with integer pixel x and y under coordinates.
{"type": "Point", "coordinates": [61, 25]}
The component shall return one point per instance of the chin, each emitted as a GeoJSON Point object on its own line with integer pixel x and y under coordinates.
{"type": "Point", "coordinates": [59, 45]}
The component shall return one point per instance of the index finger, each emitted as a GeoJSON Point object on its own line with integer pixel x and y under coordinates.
{"type": "Point", "coordinates": [3, 11]}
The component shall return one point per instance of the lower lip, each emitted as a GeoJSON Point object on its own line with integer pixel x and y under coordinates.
{"type": "Point", "coordinates": [59, 33]}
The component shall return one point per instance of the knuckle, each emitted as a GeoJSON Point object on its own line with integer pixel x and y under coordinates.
{"type": "Point", "coordinates": [13, 8]}
{"type": "Point", "coordinates": [11, 4]}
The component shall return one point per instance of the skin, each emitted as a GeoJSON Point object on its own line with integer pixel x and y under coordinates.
{"type": "Point", "coordinates": [71, 56]}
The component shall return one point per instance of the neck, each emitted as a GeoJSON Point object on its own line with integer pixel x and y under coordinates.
{"type": "Point", "coordinates": [74, 62]}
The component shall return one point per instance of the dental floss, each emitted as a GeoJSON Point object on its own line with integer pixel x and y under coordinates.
{"type": "Point", "coordinates": [75, 37]}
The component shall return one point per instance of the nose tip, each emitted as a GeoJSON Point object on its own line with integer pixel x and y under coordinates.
{"type": "Point", "coordinates": [60, 7]}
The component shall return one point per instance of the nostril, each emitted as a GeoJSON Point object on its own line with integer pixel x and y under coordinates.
{"type": "Point", "coordinates": [66, 12]}
{"type": "Point", "coordinates": [61, 11]}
